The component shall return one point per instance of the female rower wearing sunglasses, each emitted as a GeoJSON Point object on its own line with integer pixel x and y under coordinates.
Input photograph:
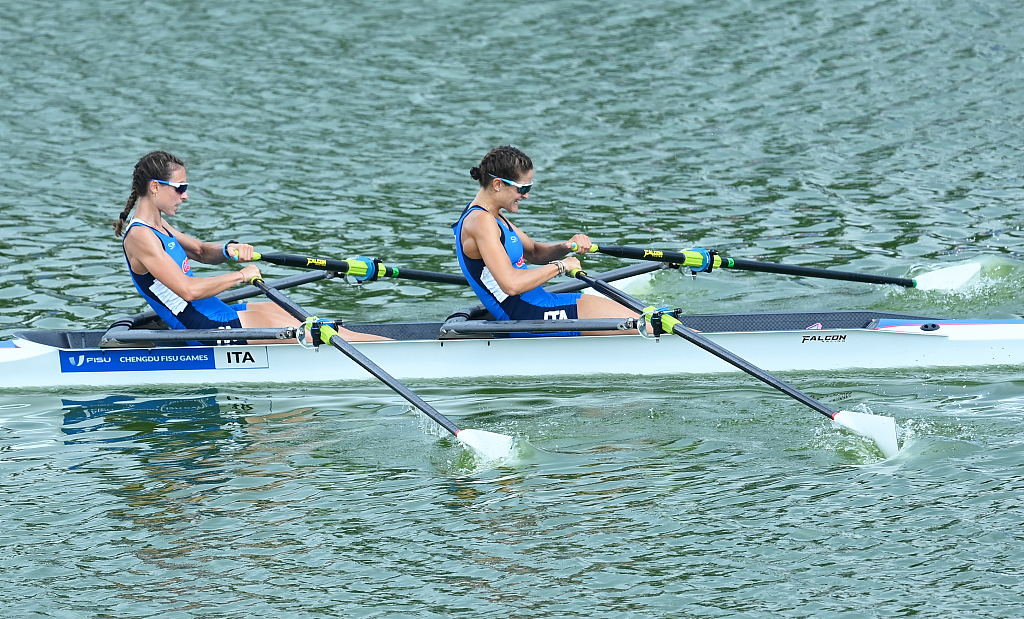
{"type": "Point", "coordinates": [493, 253]}
{"type": "Point", "coordinates": [158, 258]}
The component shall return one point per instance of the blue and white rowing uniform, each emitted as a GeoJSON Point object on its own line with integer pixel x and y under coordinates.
{"type": "Point", "coordinates": [536, 304]}
{"type": "Point", "coordinates": [210, 313]}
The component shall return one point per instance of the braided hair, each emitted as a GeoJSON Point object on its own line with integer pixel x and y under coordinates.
{"type": "Point", "coordinates": [156, 165]}
{"type": "Point", "coordinates": [502, 162]}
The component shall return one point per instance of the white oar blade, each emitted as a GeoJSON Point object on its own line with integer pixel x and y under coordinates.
{"type": "Point", "coordinates": [949, 278]}
{"type": "Point", "coordinates": [490, 445]}
{"type": "Point", "coordinates": [880, 429]}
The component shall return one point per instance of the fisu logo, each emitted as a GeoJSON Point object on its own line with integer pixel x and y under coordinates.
{"type": "Point", "coordinates": [81, 360]}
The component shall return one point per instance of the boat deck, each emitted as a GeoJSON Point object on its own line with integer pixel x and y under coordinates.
{"type": "Point", "coordinates": [420, 331]}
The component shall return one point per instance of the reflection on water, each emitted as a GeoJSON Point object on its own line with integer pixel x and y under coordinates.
{"type": "Point", "coordinates": [158, 422]}
{"type": "Point", "coordinates": [198, 444]}
{"type": "Point", "coordinates": [150, 421]}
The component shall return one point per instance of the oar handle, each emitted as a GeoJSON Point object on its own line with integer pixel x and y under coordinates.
{"type": "Point", "coordinates": [692, 259]}
{"type": "Point", "coordinates": [349, 267]}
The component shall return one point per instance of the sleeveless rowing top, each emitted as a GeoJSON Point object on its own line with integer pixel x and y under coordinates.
{"type": "Point", "coordinates": [175, 311]}
{"type": "Point", "coordinates": [502, 305]}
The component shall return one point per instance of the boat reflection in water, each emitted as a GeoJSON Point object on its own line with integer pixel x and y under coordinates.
{"type": "Point", "coordinates": [191, 439]}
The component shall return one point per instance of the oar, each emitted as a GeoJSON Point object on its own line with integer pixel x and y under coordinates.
{"type": "Point", "coordinates": [361, 268]}
{"type": "Point", "coordinates": [943, 279]}
{"type": "Point", "coordinates": [365, 268]}
{"type": "Point", "coordinates": [880, 429]}
{"type": "Point", "coordinates": [491, 445]}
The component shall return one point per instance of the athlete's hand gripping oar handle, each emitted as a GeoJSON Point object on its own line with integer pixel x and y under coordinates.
{"type": "Point", "coordinates": [692, 259]}
{"type": "Point", "coordinates": [361, 268]}
{"type": "Point", "coordinates": [885, 439]}
{"type": "Point", "coordinates": [490, 444]}
{"type": "Point", "coordinates": [695, 259]}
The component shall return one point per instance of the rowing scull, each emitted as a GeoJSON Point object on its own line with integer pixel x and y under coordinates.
{"type": "Point", "coordinates": [778, 342]}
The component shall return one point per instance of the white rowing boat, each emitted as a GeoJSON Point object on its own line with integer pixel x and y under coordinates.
{"type": "Point", "coordinates": [132, 353]}
{"type": "Point", "coordinates": [459, 348]}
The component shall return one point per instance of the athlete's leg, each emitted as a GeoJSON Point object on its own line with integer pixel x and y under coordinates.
{"type": "Point", "coordinates": [271, 315]}
{"type": "Point", "coordinates": [266, 316]}
{"type": "Point", "coordinates": [590, 306]}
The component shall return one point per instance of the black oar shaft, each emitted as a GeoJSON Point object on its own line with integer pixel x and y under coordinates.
{"type": "Point", "coordinates": [344, 266]}
{"type": "Point", "coordinates": [360, 359]}
{"type": "Point", "coordinates": [637, 253]}
{"type": "Point", "coordinates": [677, 257]}
{"type": "Point", "coordinates": [695, 338]}
{"type": "Point", "coordinates": [609, 276]}
{"type": "Point", "coordinates": [423, 276]}
{"type": "Point", "coordinates": [305, 262]}
{"type": "Point", "coordinates": [786, 269]}
{"type": "Point", "coordinates": [282, 301]}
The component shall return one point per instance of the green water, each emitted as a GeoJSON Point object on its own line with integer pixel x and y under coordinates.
{"type": "Point", "coordinates": [872, 137]}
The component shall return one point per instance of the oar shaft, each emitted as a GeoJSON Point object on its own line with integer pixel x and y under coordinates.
{"type": "Point", "coordinates": [786, 269]}
{"type": "Point", "coordinates": [609, 276]}
{"type": "Point", "coordinates": [423, 276]}
{"type": "Point", "coordinates": [305, 262]}
{"type": "Point", "coordinates": [358, 268]}
{"type": "Point", "coordinates": [281, 300]}
{"type": "Point", "coordinates": [687, 259]}
{"type": "Point", "coordinates": [694, 259]}
{"type": "Point", "coordinates": [706, 344]}
{"type": "Point", "coordinates": [359, 358]}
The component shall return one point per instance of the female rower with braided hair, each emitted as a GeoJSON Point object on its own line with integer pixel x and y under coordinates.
{"type": "Point", "coordinates": [493, 253]}
{"type": "Point", "coordinates": [158, 258]}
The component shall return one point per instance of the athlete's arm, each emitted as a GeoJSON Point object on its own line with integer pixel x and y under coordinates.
{"type": "Point", "coordinates": [210, 252]}
{"type": "Point", "coordinates": [146, 253]}
{"type": "Point", "coordinates": [543, 253]}
{"type": "Point", "coordinates": [481, 238]}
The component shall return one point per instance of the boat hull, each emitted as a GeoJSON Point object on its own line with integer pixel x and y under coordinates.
{"type": "Point", "coordinates": [889, 344]}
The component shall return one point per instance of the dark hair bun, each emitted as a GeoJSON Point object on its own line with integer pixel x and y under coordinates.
{"type": "Point", "coordinates": [474, 173]}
